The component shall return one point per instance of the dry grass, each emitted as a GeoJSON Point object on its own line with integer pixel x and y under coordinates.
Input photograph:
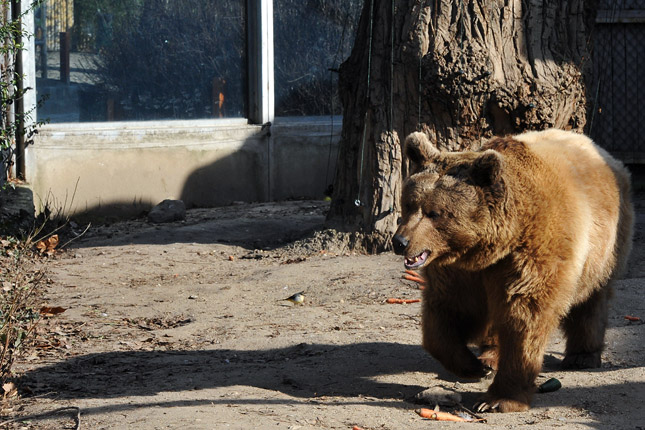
{"type": "Point", "coordinates": [21, 279]}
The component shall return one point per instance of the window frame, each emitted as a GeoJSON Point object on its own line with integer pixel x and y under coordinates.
{"type": "Point", "coordinates": [261, 103]}
{"type": "Point", "coordinates": [259, 64]}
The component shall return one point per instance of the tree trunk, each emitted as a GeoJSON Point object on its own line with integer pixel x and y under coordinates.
{"type": "Point", "coordinates": [462, 71]}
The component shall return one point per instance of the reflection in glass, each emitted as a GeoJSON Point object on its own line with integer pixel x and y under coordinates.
{"type": "Point", "coordinates": [123, 60]}
{"type": "Point", "coordinates": [311, 38]}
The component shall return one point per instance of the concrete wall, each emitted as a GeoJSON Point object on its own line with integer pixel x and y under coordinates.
{"type": "Point", "coordinates": [121, 169]}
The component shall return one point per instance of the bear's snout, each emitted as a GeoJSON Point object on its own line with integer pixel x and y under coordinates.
{"type": "Point", "coordinates": [399, 243]}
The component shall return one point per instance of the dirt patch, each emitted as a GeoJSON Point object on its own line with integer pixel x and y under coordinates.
{"type": "Point", "coordinates": [183, 325]}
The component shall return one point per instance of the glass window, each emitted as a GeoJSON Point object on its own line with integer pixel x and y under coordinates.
{"type": "Point", "coordinates": [311, 37]}
{"type": "Point", "coordinates": [124, 60]}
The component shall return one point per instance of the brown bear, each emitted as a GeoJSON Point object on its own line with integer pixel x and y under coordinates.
{"type": "Point", "coordinates": [514, 239]}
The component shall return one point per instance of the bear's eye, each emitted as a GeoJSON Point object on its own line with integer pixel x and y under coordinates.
{"type": "Point", "coordinates": [432, 214]}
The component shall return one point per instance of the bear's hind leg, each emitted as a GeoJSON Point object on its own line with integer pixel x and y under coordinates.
{"type": "Point", "coordinates": [584, 328]}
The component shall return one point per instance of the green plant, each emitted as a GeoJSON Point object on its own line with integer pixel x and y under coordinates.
{"type": "Point", "coordinates": [22, 274]}
{"type": "Point", "coordinates": [19, 288]}
{"type": "Point", "coordinates": [14, 123]}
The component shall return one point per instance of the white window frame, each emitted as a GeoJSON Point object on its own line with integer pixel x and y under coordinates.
{"type": "Point", "coordinates": [261, 98]}
{"type": "Point", "coordinates": [260, 68]}
{"type": "Point", "coordinates": [28, 58]}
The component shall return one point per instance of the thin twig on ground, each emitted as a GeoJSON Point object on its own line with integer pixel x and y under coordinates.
{"type": "Point", "coordinates": [77, 417]}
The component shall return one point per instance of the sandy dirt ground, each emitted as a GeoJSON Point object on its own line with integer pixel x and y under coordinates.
{"type": "Point", "coordinates": [180, 326]}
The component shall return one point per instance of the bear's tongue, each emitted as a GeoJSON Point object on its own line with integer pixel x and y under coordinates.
{"type": "Point", "coordinates": [417, 261]}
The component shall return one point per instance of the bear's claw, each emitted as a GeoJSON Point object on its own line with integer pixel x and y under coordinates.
{"type": "Point", "coordinates": [489, 372]}
{"type": "Point", "coordinates": [491, 404]}
{"type": "Point", "coordinates": [484, 406]}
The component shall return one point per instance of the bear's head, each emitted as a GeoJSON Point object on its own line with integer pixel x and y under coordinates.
{"type": "Point", "coordinates": [447, 205]}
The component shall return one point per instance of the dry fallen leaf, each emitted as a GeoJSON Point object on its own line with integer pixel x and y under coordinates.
{"type": "Point", "coordinates": [6, 286]}
{"type": "Point", "coordinates": [9, 389]}
{"type": "Point", "coordinates": [50, 311]}
{"type": "Point", "coordinates": [48, 246]}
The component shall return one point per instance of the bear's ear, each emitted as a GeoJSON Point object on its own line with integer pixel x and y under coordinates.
{"type": "Point", "coordinates": [419, 150]}
{"type": "Point", "coordinates": [487, 168]}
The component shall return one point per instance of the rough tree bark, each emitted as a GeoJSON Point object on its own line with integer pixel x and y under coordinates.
{"type": "Point", "coordinates": [462, 71]}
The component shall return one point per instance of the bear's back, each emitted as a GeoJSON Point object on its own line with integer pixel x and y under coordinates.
{"type": "Point", "coordinates": [573, 151]}
{"type": "Point", "coordinates": [597, 185]}
{"type": "Point", "coordinates": [576, 161]}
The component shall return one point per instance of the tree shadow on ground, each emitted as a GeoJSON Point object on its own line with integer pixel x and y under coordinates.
{"type": "Point", "coordinates": [251, 226]}
{"type": "Point", "coordinates": [304, 370]}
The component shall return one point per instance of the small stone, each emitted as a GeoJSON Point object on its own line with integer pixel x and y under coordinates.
{"type": "Point", "coordinates": [439, 396]}
{"type": "Point", "coordinates": [168, 211]}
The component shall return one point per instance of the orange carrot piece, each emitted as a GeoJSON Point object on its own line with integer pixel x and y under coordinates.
{"type": "Point", "coordinates": [413, 274]}
{"type": "Point", "coordinates": [357, 428]}
{"type": "Point", "coordinates": [438, 415]}
{"type": "Point", "coordinates": [415, 277]}
{"type": "Point", "coordinates": [422, 285]}
{"type": "Point", "coordinates": [631, 318]}
{"type": "Point", "coordinates": [393, 300]}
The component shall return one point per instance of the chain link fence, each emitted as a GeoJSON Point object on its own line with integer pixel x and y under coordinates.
{"type": "Point", "coordinates": [617, 119]}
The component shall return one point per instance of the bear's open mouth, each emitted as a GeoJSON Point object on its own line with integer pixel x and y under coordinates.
{"type": "Point", "coordinates": [418, 261]}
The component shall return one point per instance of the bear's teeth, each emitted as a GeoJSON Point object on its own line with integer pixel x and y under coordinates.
{"type": "Point", "coordinates": [416, 261]}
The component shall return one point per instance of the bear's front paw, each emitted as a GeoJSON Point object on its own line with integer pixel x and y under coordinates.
{"type": "Point", "coordinates": [583, 360]}
{"type": "Point", "coordinates": [488, 404]}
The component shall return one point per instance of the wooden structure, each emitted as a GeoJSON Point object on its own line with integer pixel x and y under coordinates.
{"type": "Point", "coordinates": [59, 18]}
{"type": "Point", "coordinates": [54, 20]}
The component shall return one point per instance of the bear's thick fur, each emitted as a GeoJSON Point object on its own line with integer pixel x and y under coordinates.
{"type": "Point", "coordinates": [513, 240]}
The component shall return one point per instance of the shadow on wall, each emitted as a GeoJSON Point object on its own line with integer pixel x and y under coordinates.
{"type": "Point", "coordinates": [294, 159]}
{"type": "Point", "coordinates": [240, 176]}
{"type": "Point", "coordinates": [226, 172]}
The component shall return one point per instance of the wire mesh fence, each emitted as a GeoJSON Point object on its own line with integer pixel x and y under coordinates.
{"type": "Point", "coordinates": [617, 119]}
